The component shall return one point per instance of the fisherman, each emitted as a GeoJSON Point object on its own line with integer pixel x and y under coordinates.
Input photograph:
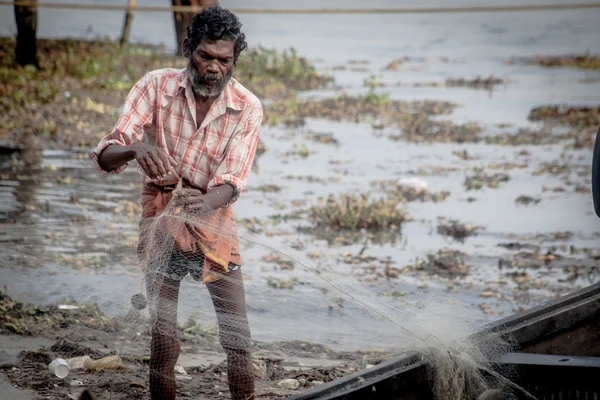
{"type": "Point", "coordinates": [197, 127]}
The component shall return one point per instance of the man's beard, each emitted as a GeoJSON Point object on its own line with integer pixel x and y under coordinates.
{"type": "Point", "coordinates": [206, 85]}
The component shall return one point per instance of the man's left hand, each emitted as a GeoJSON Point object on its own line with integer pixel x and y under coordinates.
{"type": "Point", "coordinates": [192, 200]}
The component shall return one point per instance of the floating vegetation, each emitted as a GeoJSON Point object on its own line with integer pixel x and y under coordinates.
{"type": "Point", "coordinates": [476, 83]}
{"type": "Point", "coordinates": [526, 137]}
{"type": "Point", "coordinates": [281, 261]}
{"type": "Point", "coordinates": [353, 212]}
{"type": "Point", "coordinates": [553, 168]}
{"type": "Point", "coordinates": [412, 118]}
{"type": "Point", "coordinates": [480, 180]}
{"type": "Point", "coordinates": [269, 188]}
{"type": "Point", "coordinates": [261, 148]}
{"type": "Point", "coordinates": [526, 200]}
{"type": "Point", "coordinates": [463, 154]}
{"type": "Point", "coordinates": [282, 283]}
{"type": "Point", "coordinates": [446, 263]}
{"type": "Point", "coordinates": [356, 108]}
{"type": "Point", "coordinates": [325, 138]}
{"type": "Point", "coordinates": [567, 115]}
{"type": "Point", "coordinates": [271, 73]}
{"type": "Point", "coordinates": [584, 61]}
{"type": "Point", "coordinates": [396, 64]}
{"type": "Point", "coordinates": [411, 189]}
{"type": "Point", "coordinates": [301, 151]}
{"type": "Point", "coordinates": [457, 230]}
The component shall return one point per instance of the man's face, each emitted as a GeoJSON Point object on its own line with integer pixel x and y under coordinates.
{"type": "Point", "coordinates": [211, 67]}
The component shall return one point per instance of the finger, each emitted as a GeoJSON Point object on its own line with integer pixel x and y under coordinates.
{"type": "Point", "coordinates": [144, 165]}
{"type": "Point", "coordinates": [160, 167]}
{"type": "Point", "coordinates": [152, 169]}
{"type": "Point", "coordinates": [173, 164]}
{"type": "Point", "coordinates": [169, 162]}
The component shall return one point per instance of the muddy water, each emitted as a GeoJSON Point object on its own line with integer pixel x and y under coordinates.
{"type": "Point", "coordinates": [66, 186]}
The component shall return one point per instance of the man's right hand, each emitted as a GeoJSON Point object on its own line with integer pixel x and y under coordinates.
{"type": "Point", "coordinates": [154, 162]}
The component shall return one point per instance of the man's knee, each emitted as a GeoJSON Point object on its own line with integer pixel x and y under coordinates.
{"type": "Point", "coordinates": [165, 348]}
{"type": "Point", "coordinates": [236, 339]}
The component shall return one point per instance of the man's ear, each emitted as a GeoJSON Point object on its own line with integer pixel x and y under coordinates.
{"type": "Point", "coordinates": [186, 48]}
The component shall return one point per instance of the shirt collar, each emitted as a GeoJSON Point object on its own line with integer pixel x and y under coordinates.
{"type": "Point", "coordinates": [228, 96]}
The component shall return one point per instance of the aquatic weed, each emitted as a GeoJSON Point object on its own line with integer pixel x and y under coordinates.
{"type": "Point", "coordinates": [353, 212]}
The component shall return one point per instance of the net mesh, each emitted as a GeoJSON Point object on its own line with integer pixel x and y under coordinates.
{"type": "Point", "coordinates": [178, 320]}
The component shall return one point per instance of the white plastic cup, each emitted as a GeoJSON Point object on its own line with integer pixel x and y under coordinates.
{"type": "Point", "coordinates": [59, 367]}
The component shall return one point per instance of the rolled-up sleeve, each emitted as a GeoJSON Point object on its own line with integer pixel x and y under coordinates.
{"type": "Point", "coordinates": [137, 114]}
{"type": "Point", "coordinates": [235, 168]}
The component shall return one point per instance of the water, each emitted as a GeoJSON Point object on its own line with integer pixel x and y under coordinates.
{"type": "Point", "coordinates": [476, 44]}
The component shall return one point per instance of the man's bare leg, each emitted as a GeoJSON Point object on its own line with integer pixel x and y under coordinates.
{"type": "Point", "coordinates": [163, 293]}
{"type": "Point", "coordinates": [234, 332]}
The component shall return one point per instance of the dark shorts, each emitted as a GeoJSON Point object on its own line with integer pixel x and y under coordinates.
{"type": "Point", "coordinates": [178, 265]}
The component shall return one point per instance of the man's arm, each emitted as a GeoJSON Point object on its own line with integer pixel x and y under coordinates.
{"type": "Point", "coordinates": [232, 175]}
{"type": "Point", "coordinates": [155, 162]}
{"type": "Point", "coordinates": [125, 142]}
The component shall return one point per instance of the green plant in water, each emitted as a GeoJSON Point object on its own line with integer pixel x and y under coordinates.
{"type": "Point", "coordinates": [353, 212]}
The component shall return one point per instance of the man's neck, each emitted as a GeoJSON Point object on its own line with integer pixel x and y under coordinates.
{"type": "Point", "coordinates": [205, 100]}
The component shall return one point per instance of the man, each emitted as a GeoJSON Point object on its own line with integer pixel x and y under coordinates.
{"type": "Point", "coordinates": [197, 127]}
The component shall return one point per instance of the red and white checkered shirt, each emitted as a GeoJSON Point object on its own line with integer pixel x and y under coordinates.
{"type": "Point", "coordinates": [161, 110]}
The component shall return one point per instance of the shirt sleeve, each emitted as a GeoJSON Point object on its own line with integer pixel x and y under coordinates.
{"type": "Point", "coordinates": [235, 168]}
{"type": "Point", "coordinates": [137, 114]}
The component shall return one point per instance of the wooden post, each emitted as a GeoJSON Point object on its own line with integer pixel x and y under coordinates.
{"type": "Point", "coordinates": [26, 49]}
{"type": "Point", "coordinates": [127, 23]}
{"type": "Point", "coordinates": [182, 19]}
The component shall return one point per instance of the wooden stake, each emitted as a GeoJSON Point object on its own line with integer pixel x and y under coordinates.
{"type": "Point", "coordinates": [182, 19]}
{"type": "Point", "coordinates": [127, 23]}
{"type": "Point", "coordinates": [26, 19]}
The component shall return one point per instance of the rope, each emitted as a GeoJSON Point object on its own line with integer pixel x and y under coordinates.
{"type": "Point", "coordinates": [414, 10]}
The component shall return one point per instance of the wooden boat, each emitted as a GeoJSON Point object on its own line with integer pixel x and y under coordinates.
{"type": "Point", "coordinates": [557, 358]}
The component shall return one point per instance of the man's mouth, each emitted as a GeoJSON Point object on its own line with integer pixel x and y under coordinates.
{"type": "Point", "coordinates": [212, 79]}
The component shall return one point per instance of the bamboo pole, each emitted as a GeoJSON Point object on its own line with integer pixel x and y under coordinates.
{"type": "Point", "coordinates": [127, 23]}
{"type": "Point", "coordinates": [407, 10]}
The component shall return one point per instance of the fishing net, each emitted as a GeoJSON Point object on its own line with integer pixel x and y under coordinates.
{"type": "Point", "coordinates": [140, 308]}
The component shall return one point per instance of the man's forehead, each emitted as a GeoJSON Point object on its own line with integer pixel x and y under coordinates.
{"type": "Point", "coordinates": [216, 48]}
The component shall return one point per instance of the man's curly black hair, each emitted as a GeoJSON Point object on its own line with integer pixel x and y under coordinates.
{"type": "Point", "coordinates": [216, 23]}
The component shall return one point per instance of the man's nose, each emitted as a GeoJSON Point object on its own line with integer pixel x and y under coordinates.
{"type": "Point", "coordinates": [212, 67]}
